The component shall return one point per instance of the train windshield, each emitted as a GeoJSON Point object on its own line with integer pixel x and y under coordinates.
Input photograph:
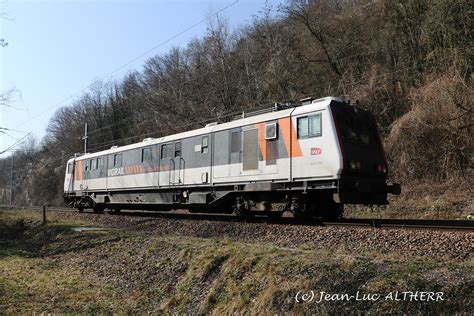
{"type": "Point", "coordinates": [357, 127]}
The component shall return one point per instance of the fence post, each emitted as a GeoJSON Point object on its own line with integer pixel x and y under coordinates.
{"type": "Point", "coordinates": [44, 214]}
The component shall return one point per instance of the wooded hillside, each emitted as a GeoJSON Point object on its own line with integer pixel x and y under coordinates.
{"type": "Point", "coordinates": [409, 62]}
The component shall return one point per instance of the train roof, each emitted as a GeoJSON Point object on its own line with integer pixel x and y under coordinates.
{"type": "Point", "coordinates": [318, 104]}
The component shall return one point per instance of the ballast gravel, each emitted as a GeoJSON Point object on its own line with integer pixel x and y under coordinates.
{"type": "Point", "coordinates": [405, 242]}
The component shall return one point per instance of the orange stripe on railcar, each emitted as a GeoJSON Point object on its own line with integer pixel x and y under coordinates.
{"type": "Point", "coordinates": [261, 139]}
{"type": "Point", "coordinates": [80, 170]}
{"type": "Point", "coordinates": [290, 137]}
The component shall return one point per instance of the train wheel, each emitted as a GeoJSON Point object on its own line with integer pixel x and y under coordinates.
{"type": "Point", "coordinates": [241, 208]}
{"type": "Point", "coordinates": [302, 209]}
{"type": "Point", "coordinates": [98, 209]}
{"type": "Point", "coordinates": [243, 212]}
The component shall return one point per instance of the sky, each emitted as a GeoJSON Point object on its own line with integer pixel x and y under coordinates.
{"type": "Point", "coordinates": [56, 48]}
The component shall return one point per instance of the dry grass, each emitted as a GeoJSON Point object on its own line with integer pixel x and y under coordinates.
{"type": "Point", "coordinates": [125, 272]}
{"type": "Point", "coordinates": [433, 140]}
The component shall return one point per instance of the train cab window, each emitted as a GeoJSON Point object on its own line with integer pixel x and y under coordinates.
{"type": "Point", "coordinates": [177, 149]}
{"type": "Point", "coordinates": [309, 126]}
{"type": "Point", "coordinates": [146, 154]}
{"type": "Point", "coordinates": [117, 160]}
{"type": "Point", "coordinates": [69, 168]}
{"type": "Point", "coordinates": [205, 144]}
{"type": "Point", "coordinates": [166, 151]}
{"type": "Point", "coordinates": [93, 164]}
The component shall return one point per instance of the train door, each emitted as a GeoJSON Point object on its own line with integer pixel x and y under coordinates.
{"type": "Point", "coordinates": [167, 165]}
{"type": "Point", "coordinates": [235, 152]}
{"type": "Point", "coordinates": [250, 151]}
{"type": "Point", "coordinates": [69, 178]}
{"type": "Point", "coordinates": [221, 155]}
{"type": "Point", "coordinates": [178, 164]}
{"type": "Point", "coordinates": [86, 175]}
{"type": "Point", "coordinates": [95, 173]}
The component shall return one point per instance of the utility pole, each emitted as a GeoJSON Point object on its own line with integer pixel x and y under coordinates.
{"type": "Point", "coordinates": [85, 139]}
{"type": "Point", "coordinates": [11, 181]}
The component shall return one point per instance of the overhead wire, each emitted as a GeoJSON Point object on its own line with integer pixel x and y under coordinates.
{"type": "Point", "coordinates": [133, 60]}
{"type": "Point", "coordinates": [227, 83]}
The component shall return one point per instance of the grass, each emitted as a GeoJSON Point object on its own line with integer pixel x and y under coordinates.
{"type": "Point", "coordinates": [53, 269]}
{"type": "Point", "coordinates": [32, 279]}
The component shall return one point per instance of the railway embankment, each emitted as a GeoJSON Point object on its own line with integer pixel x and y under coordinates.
{"type": "Point", "coordinates": [147, 264]}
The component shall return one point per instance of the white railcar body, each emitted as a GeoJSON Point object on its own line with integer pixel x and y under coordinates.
{"type": "Point", "coordinates": [296, 157]}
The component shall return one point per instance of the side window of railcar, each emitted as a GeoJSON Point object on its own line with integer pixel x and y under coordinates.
{"type": "Point", "coordinates": [205, 145]}
{"type": "Point", "coordinates": [117, 160]}
{"type": "Point", "coordinates": [93, 164]}
{"type": "Point", "coordinates": [235, 142]}
{"type": "Point", "coordinates": [309, 126]}
{"type": "Point", "coordinates": [86, 167]}
{"type": "Point", "coordinates": [100, 163]}
{"type": "Point", "coordinates": [177, 149]}
{"type": "Point", "coordinates": [69, 168]}
{"type": "Point", "coordinates": [271, 152]}
{"type": "Point", "coordinates": [146, 154]}
{"type": "Point", "coordinates": [166, 151]}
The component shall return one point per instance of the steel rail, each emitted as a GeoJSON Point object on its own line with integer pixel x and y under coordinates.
{"type": "Point", "coordinates": [432, 224]}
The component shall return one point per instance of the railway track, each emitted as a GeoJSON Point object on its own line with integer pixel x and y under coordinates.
{"type": "Point", "coordinates": [430, 224]}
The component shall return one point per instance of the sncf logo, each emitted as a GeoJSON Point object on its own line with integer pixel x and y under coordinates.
{"type": "Point", "coordinates": [315, 151]}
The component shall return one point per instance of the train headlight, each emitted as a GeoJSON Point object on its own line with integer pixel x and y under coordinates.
{"type": "Point", "coordinates": [353, 165]}
{"type": "Point", "coordinates": [381, 169]}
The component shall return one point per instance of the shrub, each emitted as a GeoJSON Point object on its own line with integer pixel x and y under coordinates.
{"type": "Point", "coordinates": [433, 140]}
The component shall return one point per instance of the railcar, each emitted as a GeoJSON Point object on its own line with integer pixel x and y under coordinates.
{"type": "Point", "coordinates": [309, 159]}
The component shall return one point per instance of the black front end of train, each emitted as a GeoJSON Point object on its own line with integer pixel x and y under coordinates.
{"type": "Point", "coordinates": [364, 176]}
